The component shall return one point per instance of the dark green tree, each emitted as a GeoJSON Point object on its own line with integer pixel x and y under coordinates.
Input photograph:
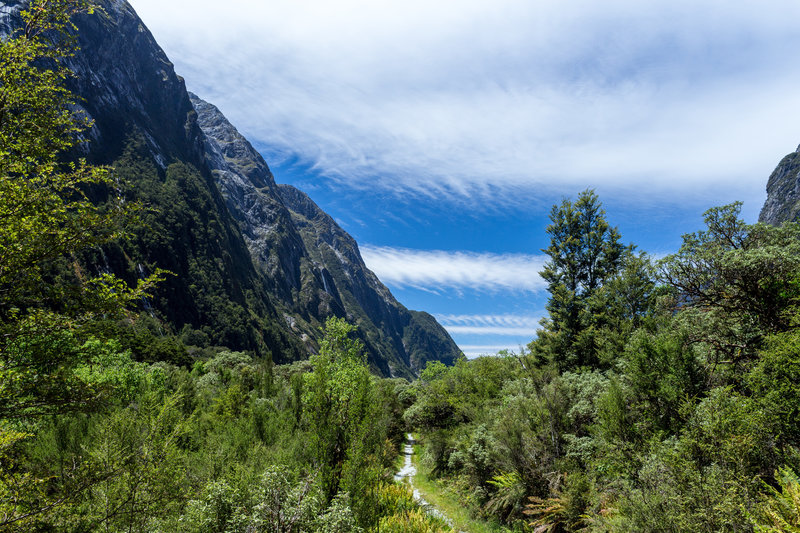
{"type": "Point", "coordinates": [626, 302]}
{"type": "Point", "coordinates": [46, 218]}
{"type": "Point", "coordinates": [735, 283]}
{"type": "Point", "coordinates": [584, 253]}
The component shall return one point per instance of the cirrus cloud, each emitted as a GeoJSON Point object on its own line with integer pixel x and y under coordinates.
{"type": "Point", "coordinates": [495, 325]}
{"type": "Point", "coordinates": [436, 270]}
{"type": "Point", "coordinates": [473, 99]}
{"type": "Point", "coordinates": [472, 351]}
{"type": "Point", "coordinates": [487, 334]}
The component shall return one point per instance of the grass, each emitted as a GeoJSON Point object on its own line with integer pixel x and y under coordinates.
{"type": "Point", "coordinates": [435, 493]}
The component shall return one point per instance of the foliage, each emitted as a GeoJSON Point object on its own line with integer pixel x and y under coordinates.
{"type": "Point", "coordinates": [45, 216]}
{"type": "Point", "coordinates": [417, 521]}
{"type": "Point", "coordinates": [662, 373]}
{"type": "Point", "coordinates": [140, 447]}
{"type": "Point", "coordinates": [337, 399]}
{"type": "Point", "coordinates": [584, 253]}
{"type": "Point", "coordinates": [774, 380]}
{"type": "Point", "coordinates": [735, 283]}
{"type": "Point", "coordinates": [780, 510]}
{"type": "Point", "coordinates": [508, 496]}
{"type": "Point", "coordinates": [50, 359]}
{"type": "Point", "coordinates": [547, 514]}
{"type": "Point", "coordinates": [656, 398]}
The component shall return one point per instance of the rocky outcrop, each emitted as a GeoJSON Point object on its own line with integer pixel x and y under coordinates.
{"type": "Point", "coordinates": [783, 192]}
{"type": "Point", "coordinates": [252, 197]}
{"type": "Point", "coordinates": [127, 83]}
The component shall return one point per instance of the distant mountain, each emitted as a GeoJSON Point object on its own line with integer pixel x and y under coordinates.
{"type": "Point", "coordinates": [251, 273]}
{"type": "Point", "coordinates": [783, 192]}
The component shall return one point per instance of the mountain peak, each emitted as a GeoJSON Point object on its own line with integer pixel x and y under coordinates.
{"type": "Point", "coordinates": [313, 266]}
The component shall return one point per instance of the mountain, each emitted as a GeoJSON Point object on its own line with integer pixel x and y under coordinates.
{"type": "Point", "coordinates": [783, 192]}
{"type": "Point", "coordinates": [313, 267]}
{"type": "Point", "coordinates": [250, 270]}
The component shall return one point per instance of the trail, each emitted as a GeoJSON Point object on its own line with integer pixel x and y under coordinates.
{"type": "Point", "coordinates": [408, 472]}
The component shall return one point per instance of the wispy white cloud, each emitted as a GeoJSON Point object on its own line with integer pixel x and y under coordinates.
{"type": "Point", "coordinates": [489, 330]}
{"type": "Point", "coordinates": [494, 325]}
{"type": "Point", "coordinates": [490, 320]}
{"type": "Point", "coordinates": [487, 348]}
{"type": "Point", "coordinates": [469, 99]}
{"type": "Point", "coordinates": [477, 350]}
{"type": "Point", "coordinates": [437, 270]}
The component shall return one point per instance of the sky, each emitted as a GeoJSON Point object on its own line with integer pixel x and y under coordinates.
{"type": "Point", "coordinates": [439, 134]}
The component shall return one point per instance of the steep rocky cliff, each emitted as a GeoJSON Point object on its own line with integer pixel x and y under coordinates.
{"type": "Point", "coordinates": [313, 266]}
{"type": "Point", "coordinates": [783, 192]}
{"type": "Point", "coordinates": [252, 197]}
{"type": "Point", "coordinates": [249, 273]}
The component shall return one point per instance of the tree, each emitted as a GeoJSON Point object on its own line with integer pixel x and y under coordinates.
{"type": "Point", "coordinates": [774, 381]}
{"type": "Point", "coordinates": [625, 302]}
{"type": "Point", "coordinates": [49, 305]}
{"type": "Point", "coordinates": [735, 283]}
{"type": "Point", "coordinates": [337, 404]}
{"type": "Point", "coordinates": [584, 253]}
{"type": "Point", "coordinates": [45, 213]}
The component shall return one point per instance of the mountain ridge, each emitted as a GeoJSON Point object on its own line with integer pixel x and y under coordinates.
{"type": "Point", "coordinates": [313, 264]}
{"type": "Point", "coordinates": [245, 277]}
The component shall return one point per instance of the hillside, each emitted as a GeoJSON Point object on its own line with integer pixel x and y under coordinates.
{"type": "Point", "coordinates": [244, 277]}
{"type": "Point", "coordinates": [312, 266]}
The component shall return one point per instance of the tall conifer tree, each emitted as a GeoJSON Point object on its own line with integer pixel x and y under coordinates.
{"type": "Point", "coordinates": [584, 252]}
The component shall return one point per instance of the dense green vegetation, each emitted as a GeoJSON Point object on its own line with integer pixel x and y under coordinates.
{"type": "Point", "coordinates": [93, 433]}
{"type": "Point", "coordinates": [181, 231]}
{"type": "Point", "coordinates": [658, 395]}
{"type": "Point", "coordinates": [228, 445]}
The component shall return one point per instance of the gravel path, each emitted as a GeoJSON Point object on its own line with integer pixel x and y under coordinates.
{"type": "Point", "coordinates": [408, 472]}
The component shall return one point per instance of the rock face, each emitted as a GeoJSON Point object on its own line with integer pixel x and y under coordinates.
{"type": "Point", "coordinates": [258, 266]}
{"type": "Point", "coordinates": [313, 266]}
{"type": "Point", "coordinates": [252, 197]}
{"type": "Point", "coordinates": [783, 192]}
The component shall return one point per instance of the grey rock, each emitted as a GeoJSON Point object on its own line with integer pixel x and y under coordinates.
{"type": "Point", "coordinates": [250, 192]}
{"type": "Point", "coordinates": [783, 192]}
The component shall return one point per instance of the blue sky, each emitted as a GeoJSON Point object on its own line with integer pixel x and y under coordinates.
{"type": "Point", "coordinates": [439, 134]}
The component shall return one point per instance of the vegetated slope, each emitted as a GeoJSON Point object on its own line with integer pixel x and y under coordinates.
{"type": "Point", "coordinates": [214, 217]}
{"type": "Point", "coordinates": [146, 128]}
{"type": "Point", "coordinates": [314, 268]}
{"type": "Point", "coordinates": [783, 192]}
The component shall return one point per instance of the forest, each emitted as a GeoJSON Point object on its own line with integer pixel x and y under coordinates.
{"type": "Point", "coordinates": [659, 394]}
